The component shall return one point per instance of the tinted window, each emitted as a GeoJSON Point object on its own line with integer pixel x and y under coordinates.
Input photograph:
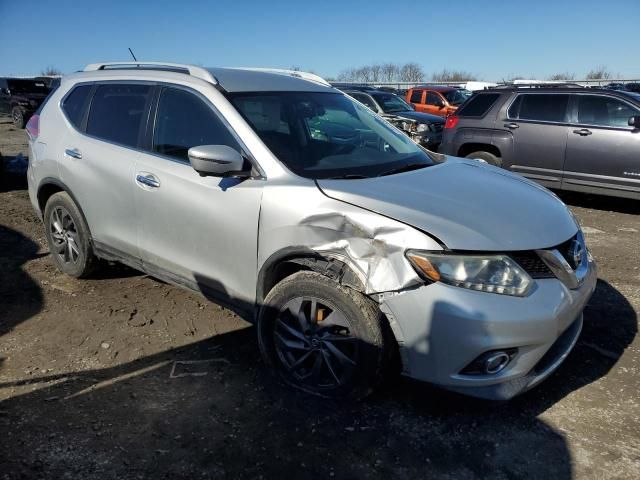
{"type": "Point", "coordinates": [391, 103]}
{"type": "Point", "coordinates": [457, 96]}
{"type": "Point", "coordinates": [479, 105]}
{"type": "Point", "coordinates": [324, 135]}
{"type": "Point", "coordinates": [76, 103]}
{"type": "Point", "coordinates": [367, 100]}
{"type": "Point", "coordinates": [117, 113]}
{"type": "Point", "coordinates": [184, 121]}
{"type": "Point", "coordinates": [605, 111]}
{"type": "Point", "coordinates": [416, 96]}
{"type": "Point", "coordinates": [434, 99]}
{"type": "Point", "coordinates": [541, 107]}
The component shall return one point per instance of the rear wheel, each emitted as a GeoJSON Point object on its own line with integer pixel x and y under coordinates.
{"type": "Point", "coordinates": [490, 158]}
{"type": "Point", "coordinates": [17, 116]}
{"type": "Point", "coordinates": [68, 236]}
{"type": "Point", "coordinates": [322, 337]}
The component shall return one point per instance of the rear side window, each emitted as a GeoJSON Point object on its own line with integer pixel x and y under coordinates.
{"type": "Point", "coordinates": [183, 121]}
{"type": "Point", "coordinates": [541, 107]}
{"type": "Point", "coordinates": [479, 105]}
{"type": "Point", "coordinates": [604, 111]}
{"type": "Point", "coordinates": [416, 96]}
{"type": "Point", "coordinates": [75, 104]}
{"type": "Point", "coordinates": [116, 113]}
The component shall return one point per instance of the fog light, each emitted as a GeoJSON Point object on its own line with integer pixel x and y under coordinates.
{"type": "Point", "coordinates": [491, 362]}
{"type": "Point", "coordinates": [496, 362]}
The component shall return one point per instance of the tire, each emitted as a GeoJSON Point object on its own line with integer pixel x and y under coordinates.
{"type": "Point", "coordinates": [490, 158]}
{"type": "Point", "coordinates": [354, 325]}
{"type": "Point", "coordinates": [68, 236]}
{"type": "Point", "coordinates": [17, 116]}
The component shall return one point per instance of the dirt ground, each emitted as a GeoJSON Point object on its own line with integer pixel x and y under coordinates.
{"type": "Point", "coordinates": [123, 376]}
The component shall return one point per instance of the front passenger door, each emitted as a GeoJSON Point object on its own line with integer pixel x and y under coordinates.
{"type": "Point", "coordinates": [602, 149]}
{"type": "Point", "coordinates": [197, 231]}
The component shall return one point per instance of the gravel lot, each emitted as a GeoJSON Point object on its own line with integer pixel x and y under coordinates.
{"type": "Point", "coordinates": [123, 376]}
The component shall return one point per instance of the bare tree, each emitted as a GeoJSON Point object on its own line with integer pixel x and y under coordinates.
{"type": "Point", "coordinates": [411, 72]}
{"type": "Point", "coordinates": [51, 71]}
{"type": "Point", "coordinates": [599, 73]}
{"type": "Point", "coordinates": [447, 75]}
{"type": "Point", "coordinates": [390, 72]}
{"type": "Point", "coordinates": [562, 76]}
{"type": "Point", "coordinates": [376, 72]}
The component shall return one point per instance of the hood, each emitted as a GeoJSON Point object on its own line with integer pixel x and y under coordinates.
{"type": "Point", "coordinates": [467, 205]}
{"type": "Point", "coordinates": [418, 116]}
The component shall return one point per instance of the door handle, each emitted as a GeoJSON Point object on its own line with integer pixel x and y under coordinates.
{"type": "Point", "coordinates": [148, 180]}
{"type": "Point", "coordinates": [512, 125]}
{"type": "Point", "coordinates": [73, 153]}
{"type": "Point", "coordinates": [583, 132]}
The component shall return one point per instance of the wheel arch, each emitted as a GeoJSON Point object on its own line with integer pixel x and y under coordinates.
{"type": "Point", "coordinates": [48, 187]}
{"type": "Point", "coordinates": [467, 148]}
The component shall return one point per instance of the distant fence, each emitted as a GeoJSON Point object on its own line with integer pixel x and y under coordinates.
{"type": "Point", "coordinates": [408, 85]}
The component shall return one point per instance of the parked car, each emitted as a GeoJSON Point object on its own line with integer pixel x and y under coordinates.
{"type": "Point", "coordinates": [351, 248]}
{"type": "Point", "coordinates": [423, 128]}
{"type": "Point", "coordinates": [564, 137]}
{"type": "Point", "coordinates": [437, 100]}
{"type": "Point", "coordinates": [21, 97]}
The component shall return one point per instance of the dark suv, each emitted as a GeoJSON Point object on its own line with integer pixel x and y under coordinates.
{"type": "Point", "coordinates": [565, 137]}
{"type": "Point", "coordinates": [423, 128]}
{"type": "Point", "coordinates": [21, 97]}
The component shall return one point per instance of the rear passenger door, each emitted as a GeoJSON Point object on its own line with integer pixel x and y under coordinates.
{"type": "Point", "coordinates": [198, 231]}
{"type": "Point", "coordinates": [539, 128]}
{"type": "Point", "coordinates": [98, 156]}
{"type": "Point", "coordinates": [603, 150]}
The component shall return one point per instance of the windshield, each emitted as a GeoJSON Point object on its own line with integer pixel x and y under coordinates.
{"type": "Point", "coordinates": [457, 97]}
{"type": "Point", "coordinates": [327, 135]}
{"type": "Point", "coordinates": [391, 103]}
{"type": "Point", "coordinates": [27, 86]}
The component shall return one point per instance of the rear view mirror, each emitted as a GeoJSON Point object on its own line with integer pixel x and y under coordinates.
{"type": "Point", "coordinates": [216, 160]}
{"type": "Point", "coordinates": [634, 121]}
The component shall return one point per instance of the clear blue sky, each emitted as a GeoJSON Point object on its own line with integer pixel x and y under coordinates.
{"type": "Point", "coordinates": [492, 39]}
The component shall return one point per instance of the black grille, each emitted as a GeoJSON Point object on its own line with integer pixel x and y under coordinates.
{"type": "Point", "coordinates": [532, 264]}
{"type": "Point", "coordinates": [565, 250]}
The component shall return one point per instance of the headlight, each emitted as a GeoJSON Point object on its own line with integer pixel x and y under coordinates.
{"type": "Point", "coordinates": [423, 127]}
{"type": "Point", "coordinates": [485, 273]}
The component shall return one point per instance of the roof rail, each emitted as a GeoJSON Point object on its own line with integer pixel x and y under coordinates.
{"type": "Point", "coordinates": [293, 73]}
{"type": "Point", "coordinates": [538, 85]}
{"type": "Point", "coordinates": [192, 70]}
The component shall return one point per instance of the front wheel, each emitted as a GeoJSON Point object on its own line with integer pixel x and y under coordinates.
{"type": "Point", "coordinates": [322, 337]}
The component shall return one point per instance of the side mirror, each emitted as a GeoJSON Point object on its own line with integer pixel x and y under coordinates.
{"type": "Point", "coordinates": [634, 121]}
{"type": "Point", "coordinates": [216, 160]}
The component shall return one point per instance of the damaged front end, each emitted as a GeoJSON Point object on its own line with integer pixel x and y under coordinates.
{"type": "Point", "coordinates": [427, 135]}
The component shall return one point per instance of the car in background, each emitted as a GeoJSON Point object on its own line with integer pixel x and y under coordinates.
{"type": "Point", "coordinates": [436, 99]}
{"type": "Point", "coordinates": [21, 97]}
{"type": "Point", "coordinates": [562, 136]}
{"type": "Point", "coordinates": [423, 128]}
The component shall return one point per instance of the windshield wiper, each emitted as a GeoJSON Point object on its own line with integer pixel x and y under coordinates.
{"type": "Point", "coordinates": [404, 168]}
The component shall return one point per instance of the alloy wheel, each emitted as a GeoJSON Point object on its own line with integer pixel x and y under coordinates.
{"type": "Point", "coordinates": [66, 243]}
{"type": "Point", "coordinates": [314, 343]}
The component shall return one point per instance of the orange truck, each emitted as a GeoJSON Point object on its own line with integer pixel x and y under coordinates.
{"type": "Point", "coordinates": [436, 99]}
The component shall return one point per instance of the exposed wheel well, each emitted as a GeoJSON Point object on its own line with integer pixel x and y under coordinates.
{"type": "Point", "coordinates": [468, 148]}
{"type": "Point", "coordinates": [275, 271]}
{"type": "Point", "coordinates": [45, 193]}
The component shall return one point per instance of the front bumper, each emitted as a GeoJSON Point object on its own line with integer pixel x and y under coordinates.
{"type": "Point", "coordinates": [430, 140]}
{"type": "Point", "coordinates": [441, 329]}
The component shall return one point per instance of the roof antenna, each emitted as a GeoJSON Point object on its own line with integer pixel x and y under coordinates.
{"type": "Point", "coordinates": [134, 57]}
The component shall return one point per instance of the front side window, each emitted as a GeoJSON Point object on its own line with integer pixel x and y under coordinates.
{"type": "Point", "coordinates": [549, 107]}
{"type": "Point", "coordinates": [116, 113]}
{"type": "Point", "coordinates": [416, 96]}
{"type": "Point", "coordinates": [327, 135]}
{"type": "Point", "coordinates": [434, 99]}
{"type": "Point", "coordinates": [604, 111]}
{"type": "Point", "coordinates": [75, 103]}
{"type": "Point", "coordinates": [183, 121]}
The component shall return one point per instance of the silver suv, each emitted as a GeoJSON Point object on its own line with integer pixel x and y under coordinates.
{"type": "Point", "coordinates": [354, 250]}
